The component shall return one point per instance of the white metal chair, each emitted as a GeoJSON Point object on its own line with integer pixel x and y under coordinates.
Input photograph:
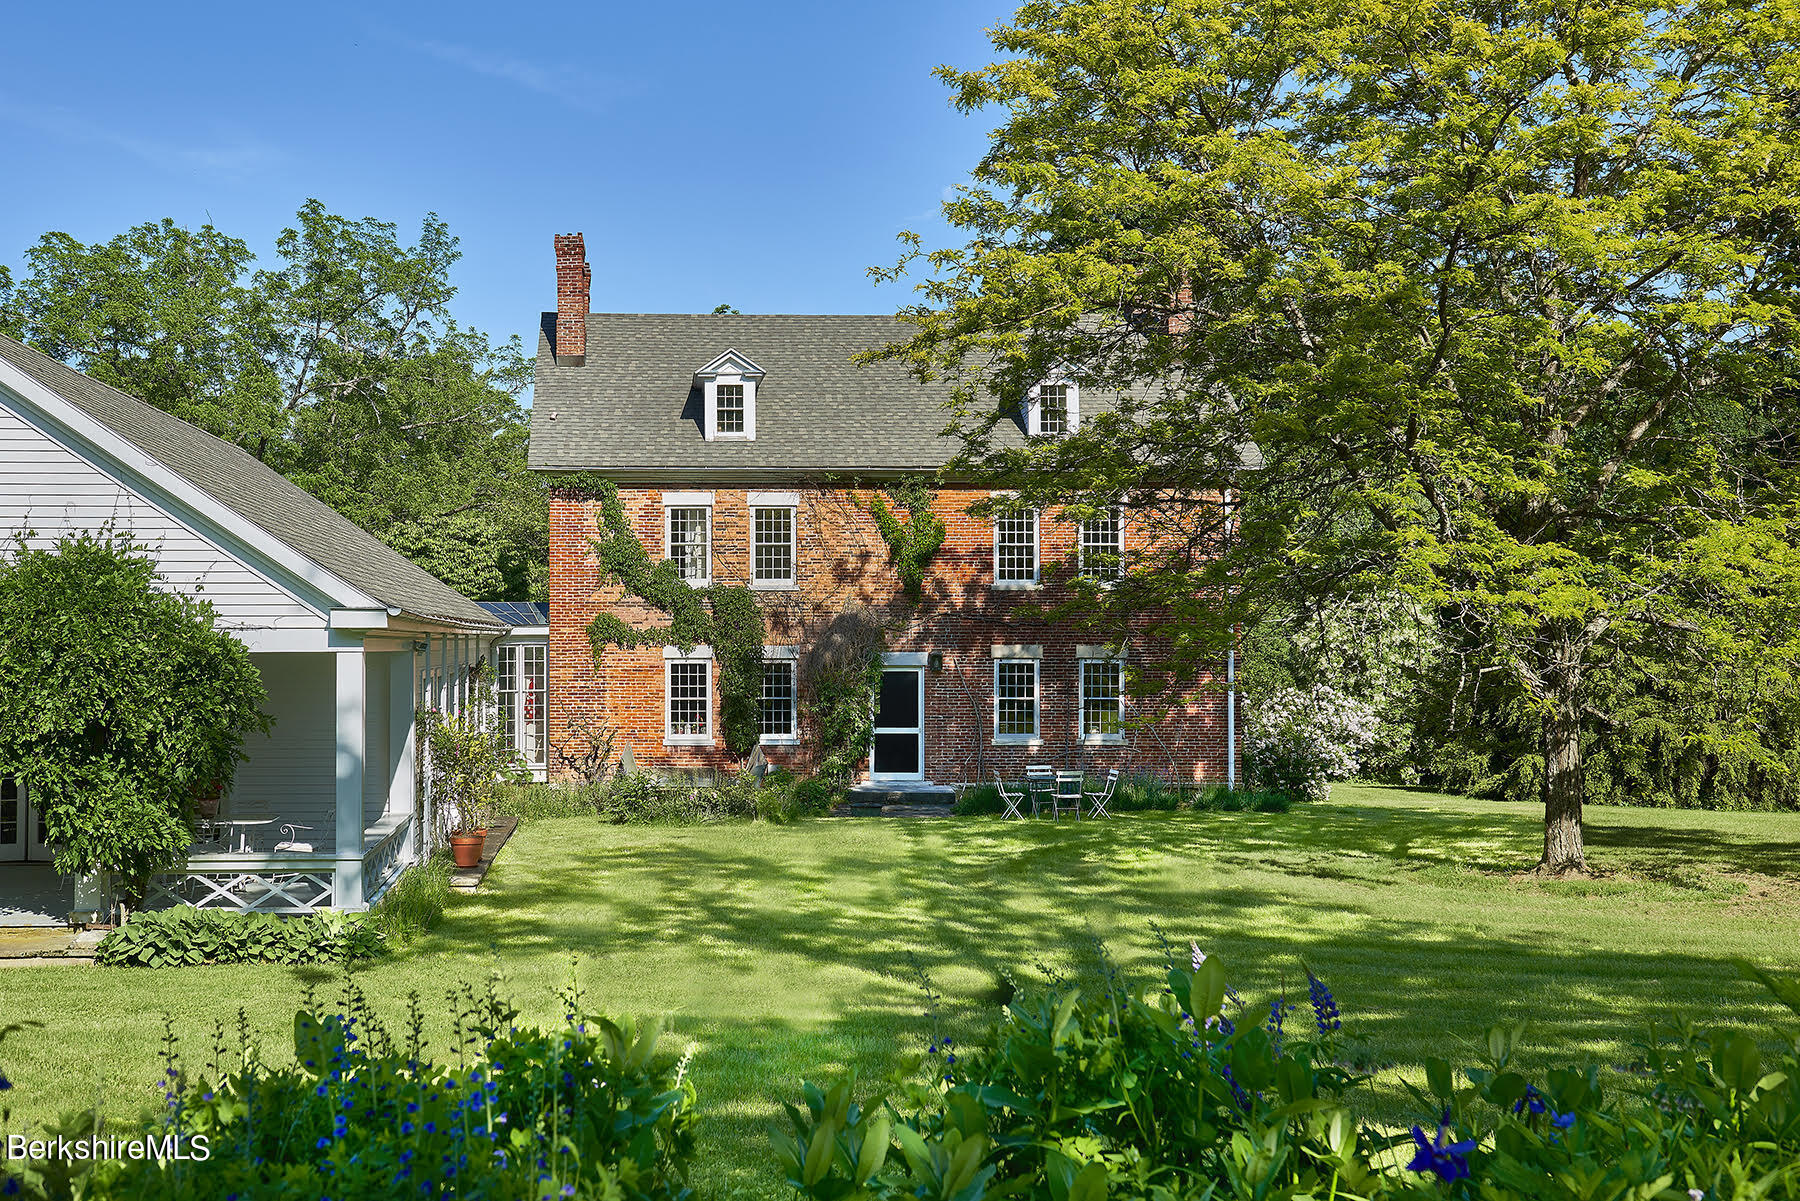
{"type": "Point", "coordinates": [1010, 799]}
{"type": "Point", "coordinates": [1040, 782]}
{"type": "Point", "coordinates": [1097, 800]}
{"type": "Point", "coordinates": [1066, 794]}
{"type": "Point", "coordinates": [290, 843]}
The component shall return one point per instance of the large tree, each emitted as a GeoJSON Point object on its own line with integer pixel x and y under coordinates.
{"type": "Point", "coordinates": [1501, 293]}
{"type": "Point", "coordinates": [339, 364]}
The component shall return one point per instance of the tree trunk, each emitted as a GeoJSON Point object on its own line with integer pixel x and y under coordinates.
{"type": "Point", "coordinates": [1563, 782]}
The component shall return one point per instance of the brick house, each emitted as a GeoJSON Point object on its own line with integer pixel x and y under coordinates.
{"type": "Point", "coordinates": [745, 448]}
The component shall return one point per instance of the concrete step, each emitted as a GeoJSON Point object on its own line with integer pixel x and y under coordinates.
{"type": "Point", "coordinates": [898, 800]}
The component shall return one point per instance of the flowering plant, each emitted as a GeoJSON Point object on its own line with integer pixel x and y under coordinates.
{"type": "Point", "coordinates": [1298, 740]}
{"type": "Point", "coordinates": [468, 759]}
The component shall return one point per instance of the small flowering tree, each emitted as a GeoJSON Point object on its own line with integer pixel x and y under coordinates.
{"type": "Point", "coordinates": [1299, 740]}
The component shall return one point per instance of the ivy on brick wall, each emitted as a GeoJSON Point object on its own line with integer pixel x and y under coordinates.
{"type": "Point", "coordinates": [726, 617]}
{"type": "Point", "coordinates": [911, 543]}
{"type": "Point", "coordinates": [840, 673]}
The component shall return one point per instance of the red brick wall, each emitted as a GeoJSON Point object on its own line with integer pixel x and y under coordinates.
{"type": "Point", "coordinates": [843, 562]}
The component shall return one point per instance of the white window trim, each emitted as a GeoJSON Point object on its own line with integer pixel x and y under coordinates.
{"type": "Point", "coordinates": [1034, 412]}
{"type": "Point", "coordinates": [729, 368]}
{"type": "Point", "coordinates": [791, 655]}
{"type": "Point", "coordinates": [1035, 738]}
{"type": "Point", "coordinates": [793, 508]}
{"type": "Point", "coordinates": [673, 655]}
{"type": "Point", "coordinates": [689, 500]}
{"type": "Point", "coordinates": [1097, 654]}
{"type": "Point", "coordinates": [1081, 553]}
{"type": "Point", "coordinates": [1037, 550]}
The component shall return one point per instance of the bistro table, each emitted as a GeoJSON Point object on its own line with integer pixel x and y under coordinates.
{"type": "Point", "coordinates": [241, 826]}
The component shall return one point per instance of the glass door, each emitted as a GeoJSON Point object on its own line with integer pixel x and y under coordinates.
{"type": "Point", "coordinates": [899, 750]}
{"type": "Point", "coordinates": [12, 821]}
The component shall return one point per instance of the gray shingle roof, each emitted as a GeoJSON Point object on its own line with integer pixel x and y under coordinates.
{"type": "Point", "coordinates": [257, 493]}
{"type": "Point", "coordinates": [634, 404]}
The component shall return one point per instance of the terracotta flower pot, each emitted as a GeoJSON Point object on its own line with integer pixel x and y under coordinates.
{"type": "Point", "coordinates": [465, 849]}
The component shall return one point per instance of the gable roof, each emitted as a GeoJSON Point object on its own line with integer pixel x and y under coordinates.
{"type": "Point", "coordinates": [257, 493]}
{"type": "Point", "coordinates": [634, 404]}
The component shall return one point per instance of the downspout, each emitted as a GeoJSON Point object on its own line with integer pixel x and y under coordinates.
{"type": "Point", "coordinates": [1231, 719]}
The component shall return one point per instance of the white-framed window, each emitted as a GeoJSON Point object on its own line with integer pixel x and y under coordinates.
{"type": "Point", "coordinates": [729, 409]}
{"type": "Point", "coordinates": [1016, 548]}
{"type": "Point", "coordinates": [687, 535]}
{"type": "Point", "coordinates": [687, 703]}
{"type": "Point", "coordinates": [1053, 408]}
{"type": "Point", "coordinates": [1103, 546]}
{"type": "Point", "coordinates": [779, 716]}
{"type": "Point", "coordinates": [772, 546]}
{"type": "Point", "coordinates": [1102, 699]}
{"type": "Point", "coordinates": [1015, 699]}
{"type": "Point", "coordinates": [728, 389]}
{"type": "Point", "coordinates": [522, 679]}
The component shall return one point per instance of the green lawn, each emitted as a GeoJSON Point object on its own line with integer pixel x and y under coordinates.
{"type": "Point", "coordinates": [785, 951]}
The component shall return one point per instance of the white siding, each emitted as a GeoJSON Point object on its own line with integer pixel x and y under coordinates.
{"type": "Point", "coordinates": [291, 775]}
{"type": "Point", "coordinates": [375, 738]}
{"type": "Point", "coordinates": [48, 489]}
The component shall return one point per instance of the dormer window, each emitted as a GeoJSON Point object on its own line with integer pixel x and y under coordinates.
{"type": "Point", "coordinates": [1052, 409]}
{"type": "Point", "coordinates": [728, 384]}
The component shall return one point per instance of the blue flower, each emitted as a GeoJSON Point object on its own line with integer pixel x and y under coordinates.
{"type": "Point", "coordinates": [9, 1187]}
{"type": "Point", "coordinates": [1325, 1010]}
{"type": "Point", "coordinates": [568, 1190]}
{"type": "Point", "coordinates": [1532, 1100]}
{"type": "Point", "coordinates": [1562, 1121]}
{"type": "Point", "coordinates": [1449, 1160]}
{"type": "Point", "coordinates": [323, 1142]}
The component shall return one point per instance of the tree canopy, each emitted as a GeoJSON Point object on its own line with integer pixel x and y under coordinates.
{"type": "Point", "coordinates": [338, 364]}
{"type": "Point", "coordinates": [121, 705]}
{"type": "Point", "coordinates": [1501, 295]}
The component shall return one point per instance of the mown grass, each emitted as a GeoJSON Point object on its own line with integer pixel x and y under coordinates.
{"type": "Point", "coordinates": [784, 952]}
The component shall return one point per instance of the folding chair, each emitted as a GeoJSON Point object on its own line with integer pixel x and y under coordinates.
{"type": "Point", "coordinates": [1040, 782]}
{"type": "Point", "coordinates": [1009, 799]}
{"type": "Point", "coordinates": [1067, 794]}
{"type": "Point", "coordinates": [1097, 800]}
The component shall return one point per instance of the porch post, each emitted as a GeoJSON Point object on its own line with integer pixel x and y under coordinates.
{"type": "Point", "coordinates": [403, 790]}
{"type": "Point", "coordinates": [352, 752]}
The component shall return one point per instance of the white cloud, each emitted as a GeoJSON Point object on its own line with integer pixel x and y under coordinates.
{"type": "Point", "coordinates": [234, 157]}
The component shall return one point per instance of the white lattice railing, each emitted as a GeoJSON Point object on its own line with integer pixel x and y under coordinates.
{"type": "Point", "coordinates": [296, 883]}
{"type": "Point", "coordinates": [385, 855]}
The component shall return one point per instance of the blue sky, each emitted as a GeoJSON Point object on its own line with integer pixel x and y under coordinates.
{"type": "Point", "coordinates": [757, 154]}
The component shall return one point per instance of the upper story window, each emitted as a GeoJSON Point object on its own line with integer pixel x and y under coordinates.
{"type": "Point", "coordinates": [1016, 548]}
{"type": "Point", "coordinates": [728, 386]}
{"type": "Point", "coordinates": [687, 534]}
{"type": "Point", "coordinates": [1053, 408]}
{"type": "Point", "coordinates": [1102, 546]}
{"type": "Point", "coordinates": [774, 538]}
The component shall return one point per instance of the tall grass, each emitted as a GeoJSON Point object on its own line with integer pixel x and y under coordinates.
{"type": "Point", "coordinates": [415, 904]}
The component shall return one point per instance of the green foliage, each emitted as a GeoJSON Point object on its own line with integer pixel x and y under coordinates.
{"type": "Point", "coordinates": [339, 365]}
{"type": "Point", "coordinates": [914, 542]}
{"type": "Point", "coordinates": [120, 704]}
{"type": "Point", "coordinates": [186, 937]}
{"type": "Point", "coordinates": [588, 1109]}
{"type": "Point", "coordinates": [469, 760]}
{"type": "Point", "coordinates": [733, 626]}
{"type": "Point", "coordinates": [840, 674]}
{"type": "Point", "coordinates": [529, 802]}
{"type": "Point", "coordinates": [1141, 792]}
{"type": "Point", "coordinates": [414, 904]}
{"type": "Point", "coordinates": [1507, 314]}
{"type": "Point", "coordinates": [1083, 1094]}
{"type": "Point", "coordinates": [781, 797]}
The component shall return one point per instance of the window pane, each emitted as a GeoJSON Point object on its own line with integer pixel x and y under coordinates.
{"type": "Point", "coordinates": [1100, 696]}
{"type": "Point", "coordinates": [778, 698]}
{"type": "Point", "coordinates": [1102, 546]}
{"type": "Point", "coordinates": [730, 408]}
{"type": "Point", "coordinates": [774, 549]}
{"type": "Point", "coordinates": [690, 700]}
{"type": "Point", "coordinates": [1015, 697]}
{"type": "Point", "coordinates": [509, 695]}
{"type": "Point", "coordinates": [531, 706]}
{"type": "Point", "coordinates": [688, 538]}
{"type": "Point", "coordinates": [1015, 547]}
{"type": "Point", "coordinates": [1053, 409]}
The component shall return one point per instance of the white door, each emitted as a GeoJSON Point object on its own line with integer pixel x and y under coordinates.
{"type": "Point", "coordinates": [899, 750]}
{"type": "Point", "coordinates": [21, 827]}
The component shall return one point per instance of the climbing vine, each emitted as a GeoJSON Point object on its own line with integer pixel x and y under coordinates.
{"type": "Point", "coordinates": [841, 672]}
{"type": "Point", "coordinates": [726, 618]}
{"type": "Point", "coordinates": [913, 542]}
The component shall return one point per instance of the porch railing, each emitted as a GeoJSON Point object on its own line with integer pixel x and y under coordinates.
{"type": "Point", "coordinates": [287, 882]}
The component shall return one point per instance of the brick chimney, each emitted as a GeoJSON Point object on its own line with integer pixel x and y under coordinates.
{"type": "Point", "coordinates": [1181, 310]}
{"type": "Point", "coordinates": [571, 301]}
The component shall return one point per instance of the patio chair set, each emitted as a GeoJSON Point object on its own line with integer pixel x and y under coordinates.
{"type": "Point", "coordinates": [1058, 791]}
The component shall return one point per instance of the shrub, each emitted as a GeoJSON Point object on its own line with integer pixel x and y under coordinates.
{"type": "Point", "coordinates": [529, 802]}
{"type": "Point", "coordinates": [1298, 740]}
{"type": "Point", "coordinates": [187, 937]}
{"type": "Point", "coordinates": [978, 801]}
{"type": "Point", "coordinates": [469, 760]}
{"type": "Point", "coordinates": [414, 904]}
{"type": "Point", "coordinates": [1181, 1090]}
{"type": "Point", "coordinates": [589, 1109]}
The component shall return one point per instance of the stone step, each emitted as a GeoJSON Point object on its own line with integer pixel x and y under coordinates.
{"type": "Point", "coordinates": [898, 800]}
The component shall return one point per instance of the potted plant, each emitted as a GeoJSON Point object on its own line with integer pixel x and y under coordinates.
{"type": "Point", "coordinates": [468, 760]}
